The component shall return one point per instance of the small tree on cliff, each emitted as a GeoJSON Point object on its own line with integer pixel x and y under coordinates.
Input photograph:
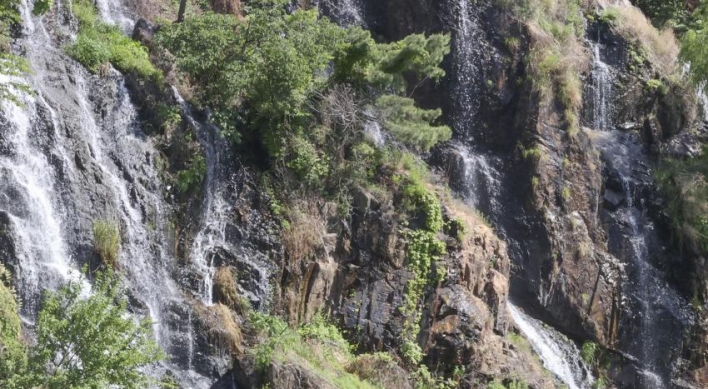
{"type": "Point", "coordinates": [86, 342]}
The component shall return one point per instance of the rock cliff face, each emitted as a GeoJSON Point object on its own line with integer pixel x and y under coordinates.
{"type": "Point", "coordinates": [581, 214]}
{"type": "Point", "coordinates": [571, 228]}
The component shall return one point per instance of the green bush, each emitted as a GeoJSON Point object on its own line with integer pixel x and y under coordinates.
{"type": "Point", "coordinates": [41, 7]}
{"type": "Point", "coordinates": [317, 347]}
{"type": "Point", "coordinates": [107, 348]}
{"type": "Point", "coordinates": [693, 47]}
{"type": "Point", "coordinates": [13, 357]}
{"type": "Point", "coordinates": [98, 43]}
{"type": "Point", "coordinates": [90, 50]}
{"type": "Point", "coordinates": [190, 178]}
{"type": "Point", "coordinates": [106, 242]}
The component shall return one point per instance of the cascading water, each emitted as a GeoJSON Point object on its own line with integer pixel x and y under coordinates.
{"type": "Point", "coordinates": [481, 180]}
{"type": "Point", "coordinates": [72, 154]}
{"type": "Point", "coordinates": [703, 98]}
{"type": "Point", "coordinates": [217, 211]}
{"type": "Point", "coordinates": [559, 355]}
{"type": "Point", "coordinates": [344, 12]}
{"type": "Point", "coordinates": [652, 333]}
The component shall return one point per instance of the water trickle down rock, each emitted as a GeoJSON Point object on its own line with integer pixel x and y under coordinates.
{"type": "Point", "coordinates": [77, 155]}
{"type": "Point", "coordinates": [654, 315]}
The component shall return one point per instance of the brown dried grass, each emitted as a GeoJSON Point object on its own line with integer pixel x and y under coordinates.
{"type": "Point", "coordinates": [303, 236]}
{"type": "Point", "coordinates": [659, 46]}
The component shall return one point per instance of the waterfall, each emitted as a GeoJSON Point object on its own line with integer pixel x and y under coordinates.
{"type": "Point", "coordinates": [602, 90]}
{"type": "Point", "coordinates": [466, 34]}
{"type": "Point", "coordinates": [74, 153]}
{"type": "Point", "coordinates": [481, 179]}
{"type": "Point", "coordinates": [219, 199]}
{"type": "Point", "coordinates": [343, 12]}
{"type": "Point", "coordinates": [559, 355]}
{"type": "Point", "coordinates": [657, 314]}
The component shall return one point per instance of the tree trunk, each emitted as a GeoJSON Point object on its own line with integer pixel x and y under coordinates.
{"type": "Point", "coordinates": [182, 9]}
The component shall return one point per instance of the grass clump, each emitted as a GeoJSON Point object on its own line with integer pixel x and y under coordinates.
{"type": "Point", "coordinates": [98, 43]}
{"type": "Point", "coordinates": [659, 47]}
{"type": "Point", "coordinates": [318, 347]}
{"type": "Point", "coordinates": [557, 56]}
{"type": "Point", "coordinates": [106, 242]}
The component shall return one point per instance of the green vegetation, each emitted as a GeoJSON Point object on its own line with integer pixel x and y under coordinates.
{"type": "Point", "coordinates": [41, 7]}
{"type": "Point", "coordinates": [410, 124]}
{"type": "Point", "coordinates": [557, 56]}
{"type": "Point", "coordinates": [672, 13]}
{"type": "Point", "coordinates": [106, 242]}
{"type": "Point", "coordinates": [99, 43]}
{"type": "Point", "coordinates": [13, 357]}
{"type": "Point", "coordinates": [589, 353]}
{"type": "Point", "coordinates": [263, 75]}
{"type": "Point", "coordinates": [318, 347]}
{"type": "Point", "coordinates": [81, 342]}
{"type": "Point", "coordinates": [693, 48]}
{"type": "Point", "coordinates": [686, 192]}
{"type": "Point", "coordinates": [10, 65]}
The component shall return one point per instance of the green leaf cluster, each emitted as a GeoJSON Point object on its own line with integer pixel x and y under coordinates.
{"type": "Point", "coordinates": [11, 66]}
{"type": "Point", "coordinates": [317, 347]}
{"type": "Point", "coordinates": [685, 189]}
{"type": "Point", "coordinates": [263, 75]}
{"type": "Point", "coordinates": [41, 7]}
{"type": "Point", "coordinates": [82, 341]}
{"type": "Point", "coordinates": [98, 43]}
{"type": "Point", "coordinates": [693, 44]}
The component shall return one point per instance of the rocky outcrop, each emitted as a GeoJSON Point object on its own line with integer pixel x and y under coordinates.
{"type": "Point", "coordinates": [359, 274]}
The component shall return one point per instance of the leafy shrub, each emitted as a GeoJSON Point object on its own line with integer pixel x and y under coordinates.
{"type": "Point", "coordinates": [108, 348]}
{"type": "Point", "coordinates": [189, 179]}
{"type": "Point", "coordinates": [13, 358]}
{"type": "Point", "coordinates": [589, 353]}
{"type": "Point", "coordinates": [693, 48]}
{"type": "Point", "coordinates": [685, 189]}
{"type": "Point", "coordinates": [98, 43]}
{"type": "Point", "coordinates": [90, 50]}
{"type": "Point", "coordinates": [106, 242]}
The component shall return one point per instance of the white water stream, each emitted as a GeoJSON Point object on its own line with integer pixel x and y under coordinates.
{"type": "Point", "coordinates": [559, 355]}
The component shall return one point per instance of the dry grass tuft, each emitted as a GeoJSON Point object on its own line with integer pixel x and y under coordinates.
{"type": "Point", "coordinates": [225, 289]}
{"type": "Point", "coordinates": [223, 330]}
{"type": "Point", "coordinates": [304, 234]}
{"type": "Point", "coordinates": [379, 369]}
{"type": "Point", "coordinates": [558, 55]}
{"type": "Point", "coordinates": [659, 47]}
